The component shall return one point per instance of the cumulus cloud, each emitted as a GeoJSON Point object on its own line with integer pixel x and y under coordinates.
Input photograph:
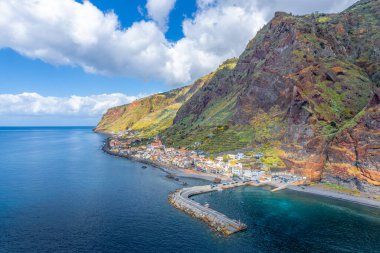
{"type": "Point", "coordinates": [66, 32]}
{"type": "Point", "coordinates": [159, 11]}
{"type": "Point", "coordinates": [30, 104]}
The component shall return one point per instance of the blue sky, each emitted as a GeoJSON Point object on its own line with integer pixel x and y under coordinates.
{"type": "Point", "coordinates": [65, 62]}
{"type": "Point", "coordinates": [20, 74]}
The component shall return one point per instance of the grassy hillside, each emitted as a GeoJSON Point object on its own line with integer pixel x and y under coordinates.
{"type": "Point", "coordinates": [153, 114]}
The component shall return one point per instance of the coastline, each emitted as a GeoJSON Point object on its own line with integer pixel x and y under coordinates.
{"type": "Point", "coordinates": [179, 172]}
{"type": "Point", "coordinates": [170, 171]}
{"type": "Point", "coordinates": [336, 195]}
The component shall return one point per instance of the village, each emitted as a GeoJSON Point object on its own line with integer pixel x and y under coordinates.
{"type": "Point", "coordinates": [239, 166]}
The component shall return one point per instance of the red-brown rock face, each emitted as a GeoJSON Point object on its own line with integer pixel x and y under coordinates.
{"type": "Point", "coordinates": [354, 154]}
{"type": "Point", "coordinates": [320, 73]}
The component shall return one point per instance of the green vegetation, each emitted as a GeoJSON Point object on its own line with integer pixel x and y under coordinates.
{"type": "Point", "coordinates": [267, 126]}
{"type": "Point", "coordinates": [339, 188]}
{"type": "Point", "coordinates": [340, 91]}
{"type": "Point", "coordinates": [155, 122]}
{"type": "Point", "coordinates": [229, 64]}
{"type": "Point", "coordinates": [150, 115]}
{"type": "Point", "coordinates": [306, 78]}
{"type": "Point", "coordinates": [211, 139]}
{"type": "Point", "coordinates": [323, 19]}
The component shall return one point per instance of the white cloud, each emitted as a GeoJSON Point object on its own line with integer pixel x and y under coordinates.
{"type": "Point", "coordinates": [30, 104]}
{"type": "Point", "coordinates": [66, 32]}
{"type": "Point", "coordinates": [205, 3]}
{"type": "Point", "coordinates": [300, 7]}
{"type": "Point", "coordinates": [159, 11]}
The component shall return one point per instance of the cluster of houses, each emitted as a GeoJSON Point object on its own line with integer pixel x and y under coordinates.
{"type": "Point", "coordinates": [230, 165]}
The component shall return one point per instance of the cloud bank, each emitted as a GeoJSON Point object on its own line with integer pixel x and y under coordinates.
{"type": "Point", "coordinates": [66, 32]}
{"type": "Point", "coordinates": [31, 104]}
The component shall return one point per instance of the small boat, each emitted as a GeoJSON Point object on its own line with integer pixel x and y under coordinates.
{"type": "Point", "coordinates": [144, 167]}
{"type": "Point", "coordinates": [217, 180]}
{"type": "Point", "coordinates": [206, 205]}
{"type": "Point", "coordinates": [220, 189]}
{"type": "Point", "coordinates": [171, 176]}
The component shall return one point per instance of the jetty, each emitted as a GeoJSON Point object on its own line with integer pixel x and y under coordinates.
{"type": "Point", "coordinates": [181, 200]}
{"type": "Point", "coordinates": [216, 220]}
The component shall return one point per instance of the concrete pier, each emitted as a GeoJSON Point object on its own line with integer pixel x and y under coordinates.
{"type": "Point", "coordinates": [218, 221]}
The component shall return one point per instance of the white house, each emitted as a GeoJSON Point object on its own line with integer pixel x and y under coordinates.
{"type": "Point", "coordinates": [240, 156]}
{"type": "Point", "coordinates": [237, 171]}
{"type": "Point", "coordinates": [219, 158]}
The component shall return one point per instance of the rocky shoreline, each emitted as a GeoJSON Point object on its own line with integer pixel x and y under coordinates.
{"type": "Point", "coordinates": [177, 172]}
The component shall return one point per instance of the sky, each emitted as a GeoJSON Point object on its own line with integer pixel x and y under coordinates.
{"type": "Point", "coordinates": [65, 62]}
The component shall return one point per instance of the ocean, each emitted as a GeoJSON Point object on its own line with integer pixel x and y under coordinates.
{"type": "Point", "coordinates": [60, 193]}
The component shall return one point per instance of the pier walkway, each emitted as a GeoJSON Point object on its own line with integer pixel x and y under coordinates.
{"type": "Point", "coordinates": [218, 221]}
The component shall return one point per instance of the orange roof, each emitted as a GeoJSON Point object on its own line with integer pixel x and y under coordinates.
{"type": "Point", "coordinates": [156, 144]}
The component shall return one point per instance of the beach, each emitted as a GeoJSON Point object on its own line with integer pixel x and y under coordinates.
{"type": "Point", "coordinates": [336, 195]}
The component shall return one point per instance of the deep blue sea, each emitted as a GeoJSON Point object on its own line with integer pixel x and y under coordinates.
{"type": "Point", "coordinates": [60, 193]}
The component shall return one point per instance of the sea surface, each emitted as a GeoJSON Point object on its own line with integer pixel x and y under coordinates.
{"type": "Point", "coordinates": [60, 193]}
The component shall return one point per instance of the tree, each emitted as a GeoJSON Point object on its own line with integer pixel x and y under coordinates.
{"type": "Point", "coordinates": [225, 158]}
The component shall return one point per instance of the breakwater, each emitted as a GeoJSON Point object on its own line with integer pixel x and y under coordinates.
{"type": "Point", "coordinates": [217, 221]}
{"type": "Point", "coordinates": [181, 198]}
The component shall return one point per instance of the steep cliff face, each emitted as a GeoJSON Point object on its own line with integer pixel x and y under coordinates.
{"type": "Point", "coordinates": [311, 75]}
{"type": "Point", "coordinates": [153, 114]}
{"type": "Point", "coordinates": [353, 158]}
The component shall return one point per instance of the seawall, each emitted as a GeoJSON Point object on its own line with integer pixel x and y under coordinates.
{"type": "Point", "coordinates": [217, 221]}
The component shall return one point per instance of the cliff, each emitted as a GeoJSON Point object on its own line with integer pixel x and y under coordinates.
{"type": "Point", "coordinates": [305, 91]}
{"type": "Point", "coordinates": [153, 114]}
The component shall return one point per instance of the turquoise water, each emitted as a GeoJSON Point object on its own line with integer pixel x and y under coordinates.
{"type": "Point", "coordinates": [60, 193]}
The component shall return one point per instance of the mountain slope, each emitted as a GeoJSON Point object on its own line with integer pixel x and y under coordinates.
{"type": "Point", "coordinates": [155, 113]}
{"type": "Point", "coordinates": [296, 89]}
{"type": "Point", "coordinates": [305, 91]}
